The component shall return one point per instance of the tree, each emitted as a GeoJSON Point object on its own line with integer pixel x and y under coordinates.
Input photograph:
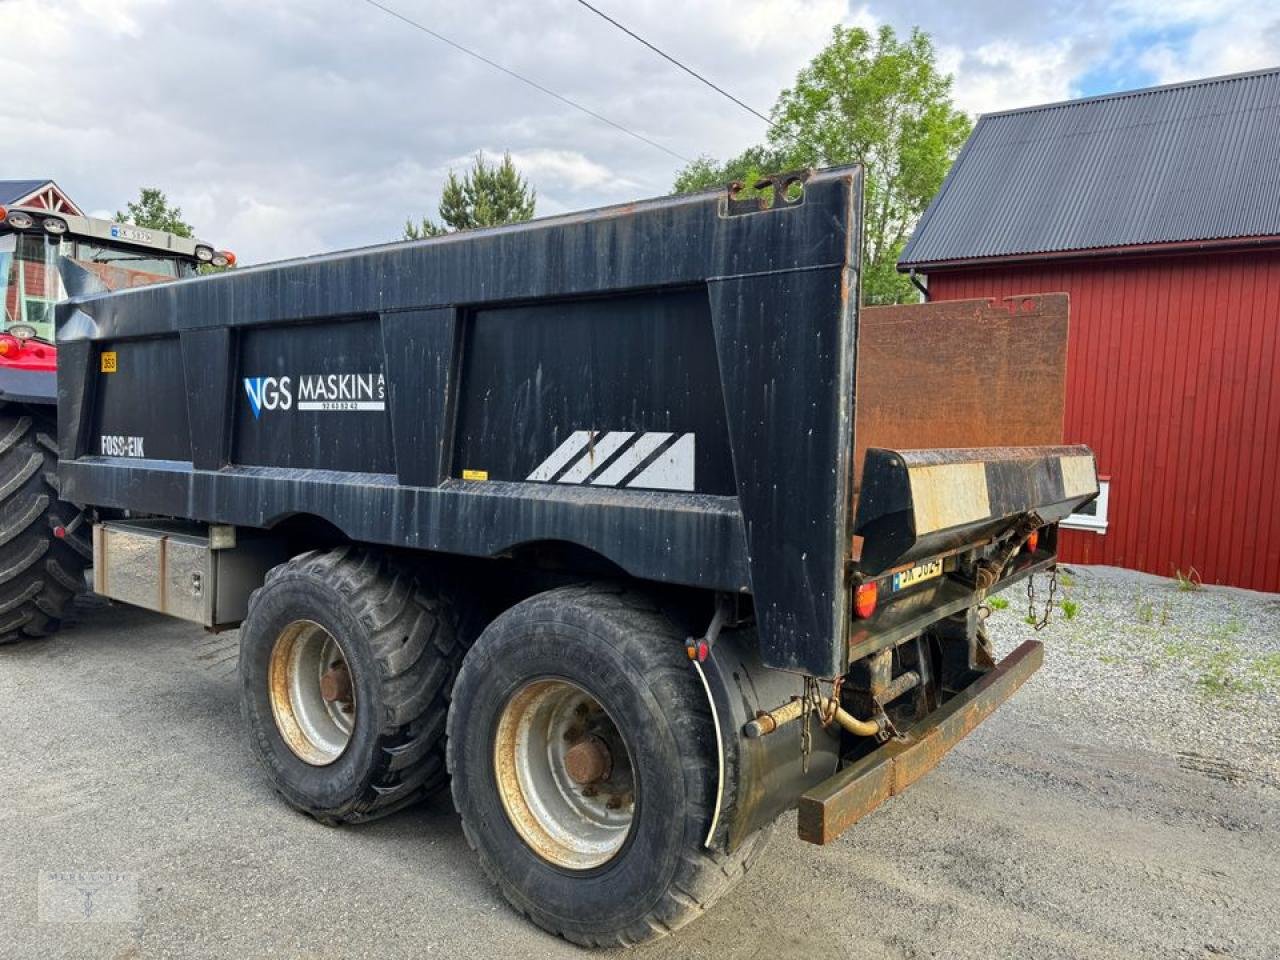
{"type": "Point", "coordinates": [484, 196]}
{"type": "Point", "coordinates": [871, 99]}
{"type": "Point", "coordinates": [152, 210]}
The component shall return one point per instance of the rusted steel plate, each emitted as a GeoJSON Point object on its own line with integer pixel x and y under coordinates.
{"type": "Point", "coordinates": [832, 807]}
{"type": "Point", "coordinates": [961, 373]}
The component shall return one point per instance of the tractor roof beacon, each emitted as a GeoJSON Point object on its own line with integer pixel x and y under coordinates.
{"type": "Point", "coordinates": [602, 469]}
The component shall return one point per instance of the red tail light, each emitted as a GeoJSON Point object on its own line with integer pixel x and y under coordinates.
{"type": "Point", "coordinates": [864, 599]}
{"type": "Point", "coordinates": [1033, 541]}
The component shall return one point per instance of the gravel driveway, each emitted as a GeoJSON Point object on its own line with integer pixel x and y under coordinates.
{"type": "Point", "coordinates": [1124, 804]}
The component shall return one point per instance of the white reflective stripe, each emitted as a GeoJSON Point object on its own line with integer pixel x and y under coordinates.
{"type": "Point", "coordinates": [549, 467]}
{"type": "Point", "coordinates": [715, 723]}
{"type": "Point", "coordinates": [596, 455]}
{"type": "Point", "coordinates": [630, 459]}
{"type": "Point", "coordinates": [1079, 476]}
{"type": "Point", "coordinates": [946, 495]}
{"type": "Point", "coordinates": [673, 470]}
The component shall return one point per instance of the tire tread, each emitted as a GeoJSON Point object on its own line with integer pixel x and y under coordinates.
{"type": "Point", "coordinates": [645, 635]}
{"type": "Point", "coordinates": [397, 615]}
{"type": "Point", "coordinates": [40, 574]}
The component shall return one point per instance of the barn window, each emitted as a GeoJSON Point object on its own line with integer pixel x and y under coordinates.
{"type": "Point", "coordinates": [1092, 516]}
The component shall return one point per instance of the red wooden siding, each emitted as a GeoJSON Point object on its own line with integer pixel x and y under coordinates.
{"type": "Point", "coordinates": [1173, 378]}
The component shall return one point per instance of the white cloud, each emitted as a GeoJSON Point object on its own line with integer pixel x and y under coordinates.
{"type": "Point", "coordinates": [305, 125]}
{"type": "Point", "coordinates": [561, 167]}
{"type": "Point", "coordinates": [1003, 74]}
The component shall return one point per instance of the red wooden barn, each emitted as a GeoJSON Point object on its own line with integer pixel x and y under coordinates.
{"type": "Point", "coordinates": [1158, 212]}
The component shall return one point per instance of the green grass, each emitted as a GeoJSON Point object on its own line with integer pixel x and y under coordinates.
{"type": "Point", "coordinates": [1066, 580]}
{"type": "Point", "coordinates": [1267, 669]}
{"type": "Point", "coordinates": [998, 603]}
{"type": "Point", "coordinates": [1070, 608]}
{"type": "Point", "coordinates": [1190, 581]}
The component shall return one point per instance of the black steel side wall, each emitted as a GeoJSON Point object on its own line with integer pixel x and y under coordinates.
{"type": "Point", "coordinates": [727, 336]}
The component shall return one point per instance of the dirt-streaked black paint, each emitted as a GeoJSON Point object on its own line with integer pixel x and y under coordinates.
{"type": "Point", "coordinates": [667, 315]}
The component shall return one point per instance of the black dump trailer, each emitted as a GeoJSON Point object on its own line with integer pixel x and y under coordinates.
{"type": "Point", "coordinates": [563, 514]}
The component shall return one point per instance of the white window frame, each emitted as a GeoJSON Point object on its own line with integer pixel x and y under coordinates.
{"type": "Point", "coordinates": [1097, 522]}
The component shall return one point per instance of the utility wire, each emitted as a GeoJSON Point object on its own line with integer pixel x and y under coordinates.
{"type": "Point", "coordinates": [666, 56]}
{"type": "Point", "coordinates": [523, 79]}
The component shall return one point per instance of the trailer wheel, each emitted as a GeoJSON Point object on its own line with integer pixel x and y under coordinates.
{"type": "Point", "coordinates": [346, 660]}
{"type": "Point", "coordinates": [40, 573]}
{"type": "Point", "coordinates": [584, 767]}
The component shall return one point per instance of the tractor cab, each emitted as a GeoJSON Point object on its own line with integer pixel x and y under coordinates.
{"type": "Point", "coordinates": [46, 257]}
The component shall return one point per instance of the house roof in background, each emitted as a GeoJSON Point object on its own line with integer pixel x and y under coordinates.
{"type": "Point", "coordinates": [1185, 162]}
{"type": "Point", "coordinates": [11, 191]}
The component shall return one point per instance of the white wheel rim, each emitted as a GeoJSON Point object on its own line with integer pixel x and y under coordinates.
{"type": "Point", "coordinates": [575, 823]}
{"type": "Point", "coordinates": [317, 729]}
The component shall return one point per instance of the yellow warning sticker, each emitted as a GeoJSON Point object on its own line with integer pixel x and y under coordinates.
{"type": "Point", "coordinates": [475, 474]}
{"type": "Point", "coordinates": [108, 361]}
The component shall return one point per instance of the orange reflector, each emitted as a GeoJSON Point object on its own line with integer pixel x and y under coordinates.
{"type": "Point", "coordinates": [1033, 541]}
{"type": "Point", "coordinates": [231, 258]}
{"type": "Point", "coordinates": [3, 213]}
{"type": "Point", "coordinates": [864, 599]}
{"type": "Point", "coordinates": [8, 345]}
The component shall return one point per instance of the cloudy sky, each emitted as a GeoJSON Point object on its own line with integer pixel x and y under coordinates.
{"type": "Point", "coordinates": [290, 127]}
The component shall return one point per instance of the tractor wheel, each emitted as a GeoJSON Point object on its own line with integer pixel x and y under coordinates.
{"type": "Point", "coordinates": [40, 572]}
{"type": "Point", "coordinates": [584, 767]}
{"type": "Point", "coordinates": [346, 661]}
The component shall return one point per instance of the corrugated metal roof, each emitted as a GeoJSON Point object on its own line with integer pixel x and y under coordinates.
{"type": "Point", "coordinates": [13, 190]}
{"type": "Point", "coordinates": [1189, 161]}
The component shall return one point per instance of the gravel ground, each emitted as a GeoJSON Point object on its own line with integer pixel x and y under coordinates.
{"type": "Point", "coordinates": [1193, 673]}
{"type": "Point", "coordinates": [1122, 805]}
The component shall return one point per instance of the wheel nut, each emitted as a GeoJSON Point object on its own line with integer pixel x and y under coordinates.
{"type": "Point", "coordinates": [588, 761]}
{"type": "Point", "coordinates": [335, 684]}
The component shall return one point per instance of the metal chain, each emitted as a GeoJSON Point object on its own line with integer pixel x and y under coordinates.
{"type": "Point", "coordinates": [1039, 623]}
{"type": "Point", "coordinates": [806, 735]}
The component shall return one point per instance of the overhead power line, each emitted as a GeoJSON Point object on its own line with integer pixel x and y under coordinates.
{"type": "Point", "coordinates": [666, 56]}
{"type": "Point", "coordinates": [523, 79]}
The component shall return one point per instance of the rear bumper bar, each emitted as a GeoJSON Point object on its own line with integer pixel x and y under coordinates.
{"type": "Point", "coordinates": [833, 806]}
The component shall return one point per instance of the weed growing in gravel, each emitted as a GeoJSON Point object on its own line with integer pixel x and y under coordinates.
{"type": "Point", "coordinates": [1189, 581]}
{"type": "Point", "coordinates": [1066, 580]}
{"type": "Point", "coordinates": [1218, 677]}
{"type": "Point", "coordinates": [1146, 610]}
{"type": "Point", "coordinates": [998, 603]}
{"type": "Point", "coordinates": [1070, 608]}
{"type": "Point", "coordinates": [1267, 670]}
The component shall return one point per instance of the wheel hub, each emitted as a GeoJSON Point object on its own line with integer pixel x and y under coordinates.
{"type": "Point", "coordinates": [564, 774]}
{"type": "Point", "coordinates": [588, 761]}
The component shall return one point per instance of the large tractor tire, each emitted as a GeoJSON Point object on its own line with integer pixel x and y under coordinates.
{"type": "Point", "coordinates": [40, 572]}
{"type": "Point", "coordinates": [346, 662]}
{"type": "Point", "coordinates": [584, 767]}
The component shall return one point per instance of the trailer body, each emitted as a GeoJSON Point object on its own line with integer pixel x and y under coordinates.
{"type": "Point", "coordinates": [671, 399]}
{"type": "Point", "coordinates": [485, 391]}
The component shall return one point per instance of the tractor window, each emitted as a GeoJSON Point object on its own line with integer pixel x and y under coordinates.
{"type": "Point", "coordinates": [129, 259]}
{"type": "Point", "coordinates": [29, 284]}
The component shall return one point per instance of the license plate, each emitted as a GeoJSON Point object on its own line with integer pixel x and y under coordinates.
{"type": "Point", "coordinates": [130, 233]}
{"type": "Point", "coordinates": [918, 574]}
